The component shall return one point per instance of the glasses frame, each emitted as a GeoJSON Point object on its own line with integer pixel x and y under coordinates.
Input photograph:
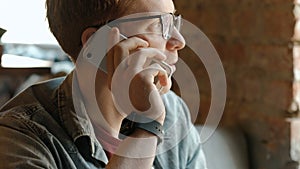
{"type": "Point", "coordinates": [165, 34]}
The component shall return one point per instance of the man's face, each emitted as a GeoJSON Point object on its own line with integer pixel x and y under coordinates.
{"type": "Point", "coordinates": [150, 29]}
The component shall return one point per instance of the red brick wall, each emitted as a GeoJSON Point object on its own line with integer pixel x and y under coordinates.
{"type": "Point", "coordinates": [253, 39]}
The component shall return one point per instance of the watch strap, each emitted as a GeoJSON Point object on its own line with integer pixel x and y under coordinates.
{"type": "Point", "coordinates": [134, 121]}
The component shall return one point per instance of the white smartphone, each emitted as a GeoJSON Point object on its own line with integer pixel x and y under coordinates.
{"type": "Point", "coordinates": [97, 48]}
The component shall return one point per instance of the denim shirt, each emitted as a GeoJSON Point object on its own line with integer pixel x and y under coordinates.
{"type": "Point", "coordinates": [40, 129]}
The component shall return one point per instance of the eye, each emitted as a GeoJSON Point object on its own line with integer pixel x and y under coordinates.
{"type": "Point", "coordinates": [155, 26]}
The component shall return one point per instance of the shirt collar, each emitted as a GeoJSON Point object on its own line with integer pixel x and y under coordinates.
{"type": "Point", "coordinates": [75, 119]}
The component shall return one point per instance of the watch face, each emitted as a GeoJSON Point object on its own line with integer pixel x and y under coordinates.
{"type": "Point", "coordinates": [127, 128]}
{"type": "Point", "coordinates": [134, 120]}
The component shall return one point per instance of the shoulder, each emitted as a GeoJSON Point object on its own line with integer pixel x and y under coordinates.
{"type": "Point", "coordinates": [178, 116]}
{"type": "Point", "coordinates": [32, 93]}
{"type": "Point", "coordinates": [181, 139]}
{"type": "Point", "coordinates": [22, 119]}
{"type": "Point", "coordinates": [178, 119]}
{"type": "Point", "coordinates": [26, 112]}
{"type": "Point", "coordinates": [20, 135]}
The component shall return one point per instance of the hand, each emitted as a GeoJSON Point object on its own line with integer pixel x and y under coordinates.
{"type": "Point", "coordinates": [132, 80]}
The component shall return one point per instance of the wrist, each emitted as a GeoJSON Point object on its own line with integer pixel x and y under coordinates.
{"type": "Point", "coordinates": [134, 123]}
{"type": "Point", "coordinates": [141, 133]}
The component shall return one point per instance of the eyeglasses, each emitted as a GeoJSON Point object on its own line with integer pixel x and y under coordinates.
{"type": "Point", "coordinates": [167, 21]}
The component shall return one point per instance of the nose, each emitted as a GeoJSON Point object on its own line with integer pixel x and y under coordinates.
{"type": "Point", "coordinates": [176, 42]}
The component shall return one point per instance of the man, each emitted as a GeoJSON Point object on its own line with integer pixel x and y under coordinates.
{"type": "Point", "coordinates": [56, 124]}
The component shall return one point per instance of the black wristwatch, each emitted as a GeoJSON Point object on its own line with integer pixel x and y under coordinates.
{"type": "Point", "coordinates": [134, 121]}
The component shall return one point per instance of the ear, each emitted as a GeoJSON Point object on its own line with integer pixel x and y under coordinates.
{"type": "Point", "coordinates": [87, 33]}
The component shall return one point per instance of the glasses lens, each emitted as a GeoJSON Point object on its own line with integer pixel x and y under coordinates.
{"type": "Point", "coordinates": [170, 21]}
{"type": "Point", "coordinates": [177, 22]}
{"type": "Point", "coordinates": [167, 22]}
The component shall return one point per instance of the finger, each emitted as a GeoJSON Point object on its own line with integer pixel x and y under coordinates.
{"type": "Point", "coordinates": [143, 55]}
{"type": "Point", "coordinates": [121, 50]}
{"type": "Point", "coordinates": [153, 71]}
{"type": "Point", "coordinates": [113, 39]}
{"type": "Point", "coordinates": [166, 88]}
{"type": "Point", "coordinates": [163, 82]}
{"type": "Point", "coordinates": [124, 48]}
{"type": "Point", "coordinates": [163, 79]}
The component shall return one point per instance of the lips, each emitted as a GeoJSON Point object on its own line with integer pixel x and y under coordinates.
{"type": "Point", "coordinates": [172, 58]}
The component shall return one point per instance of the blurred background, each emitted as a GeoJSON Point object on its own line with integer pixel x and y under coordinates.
{"type": "Point", "coordinates": [30, 53]}
{"type": "Point", "coordinates": [257, 41]}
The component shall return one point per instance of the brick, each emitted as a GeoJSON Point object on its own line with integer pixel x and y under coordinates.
{"type": "Point", "coordinates": [252, 91]}
{"type": "Point", "coordinates": [234, 54]}
{"type": "Point", "coordinates": [277, 61]}
{"type": "Point", "coordinates": [268, 139]}
{"type": "Point", "coordinates": [209, 22]}
{"type": "Point", "coordinates": [244, 23]}
{"type": "Point", "coordinates": [275, 89]}
{"type": "Point", "coordinates": [252, 38]}
{"type": "Point", "coordinates": [278, 24]}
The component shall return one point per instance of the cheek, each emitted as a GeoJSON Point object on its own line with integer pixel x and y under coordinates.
{"type": "Point", "coordinates": [156, 41]}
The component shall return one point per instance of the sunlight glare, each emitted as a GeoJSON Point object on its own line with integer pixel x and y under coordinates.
{"type": "Point", "coordinates": [25, 22]}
